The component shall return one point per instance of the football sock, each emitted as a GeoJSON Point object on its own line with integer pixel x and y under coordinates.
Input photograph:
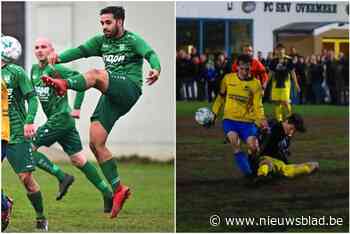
{"type": "Point", "coordinates": [77, 82]}
{"type": "Point", "coordinates": [263, 170]}
{"type": "Point", "coordinates": [243, 163]}
{"type": "Point", "coordinates": [109, 169]}
{"type": "Point", "coordinates": [278, 112]}
{"type": "Point", "coordinates": [37, 202]}
{"type": "Point", "coordinates": [45, 164]}
{"type": "Point", "coordinates": [92, 175]}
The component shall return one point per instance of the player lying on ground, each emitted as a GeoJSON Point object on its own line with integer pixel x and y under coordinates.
{"type": "Point", "coordinates": [6, 202]}
{"type": "Point", "coordinates": [120, 83]}
{"type": "Point", "coordinates": [274, 153]}
{"type": "Point", "coordinates": [60, 125]}
{"type": "Point", "coordinates": [242, 95]}
{"type": "Point", "coordinates": [283, 71]}
{"type": "Point", "coordinates": [19, 152]}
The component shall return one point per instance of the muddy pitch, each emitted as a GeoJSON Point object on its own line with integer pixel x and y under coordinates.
{"type": "Point", "coordinates": [208, 182]}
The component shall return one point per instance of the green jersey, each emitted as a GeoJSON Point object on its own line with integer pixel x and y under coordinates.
{"type": "Point", "coordinates": [19, 89]}
{"type": "Point", "coordinates": [56, 108]}
{"type": "Point", "coordinates": [122, 56]}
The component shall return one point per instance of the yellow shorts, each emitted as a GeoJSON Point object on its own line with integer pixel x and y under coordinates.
{"type": "Point", "coordinates": [280, 94]}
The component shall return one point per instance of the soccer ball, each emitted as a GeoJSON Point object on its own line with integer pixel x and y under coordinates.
{"type": "Point", "coordinates": [204, 116]}
{"type": "Point", "coordinates": [11, 49]}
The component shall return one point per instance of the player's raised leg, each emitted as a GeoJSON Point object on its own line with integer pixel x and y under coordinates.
{"type": "Point", "coordinates": [96, 78]}
{"type": "Point", "coordinates": [98, 138]}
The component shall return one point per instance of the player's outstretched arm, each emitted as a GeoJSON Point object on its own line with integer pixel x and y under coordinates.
{"type": "Point", "coordinates": [88, 49]}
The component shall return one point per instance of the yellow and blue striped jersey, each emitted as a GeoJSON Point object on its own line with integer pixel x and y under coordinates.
{"type": "Point", "coordinates": [242, 99]}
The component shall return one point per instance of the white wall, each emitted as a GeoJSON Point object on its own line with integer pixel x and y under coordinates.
{"type": "Point", "coordinates": [149, 128]}
{"type": "Point", "coordinates": [264, 22]}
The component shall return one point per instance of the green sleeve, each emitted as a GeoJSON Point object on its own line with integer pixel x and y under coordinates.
{"type": "Point", "coordinates": [147, 52]}
{"type": "Point", "coordinates": [28, 92]}
{"type": "Point", "coordinates": [78, 101]}
{"type": "Point", "coordinates": [32, 108]}
{"type": "Point", "coordinates": [88, 49]}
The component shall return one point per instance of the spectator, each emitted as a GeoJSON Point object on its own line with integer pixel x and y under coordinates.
{"type": "Point", "coordinates": [201, 80]}
{"type": "Point", "coordinates": [183, 66]}
{"type": "Point", "coordinates": [293, 52]}
{"type": "Point", "coordinates": [261, 58]}
{"type": "Point", "coordinates": [220, 67]}
{"type": "Point", "coordinates": [189, 79]}
{"type": "Point", "coordinates": [300, 71]}
{"type": "Point", "coordinates": [210, 76]}
{"type": "Point", "coordinates": [332, 76]}
{"type": "Point", "coordinates": [194, 52]}
{"type": "Point", "coordinates": [316, 75]}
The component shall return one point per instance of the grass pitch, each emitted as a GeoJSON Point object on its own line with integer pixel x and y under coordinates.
{"type": "Point", "coordinates": [150, 208]}
{"type": "Point", "coordinates": [209, 183]}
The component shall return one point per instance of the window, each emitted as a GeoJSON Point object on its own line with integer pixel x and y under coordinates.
{"type": "Point", "coordinates": [240, 33]}
{"type": "Point", "coordinates": [214, 36]}
{"type": "Point", "coordinates": [187, 34]}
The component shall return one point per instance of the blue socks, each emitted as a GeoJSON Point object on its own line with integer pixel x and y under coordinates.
{"type": "Point", "coordinates": [243, 163]}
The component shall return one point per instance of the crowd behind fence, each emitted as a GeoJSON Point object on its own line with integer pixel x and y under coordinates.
{"type": "Point", "coordinates": [323, 78]}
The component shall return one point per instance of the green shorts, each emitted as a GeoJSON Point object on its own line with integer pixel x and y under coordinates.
{"type": "Point", "coordinates": [121, 96]}
{"type": "Point", "coordinates": [69, 138]}
{"type": "Point", "coordinates": [20, 157]}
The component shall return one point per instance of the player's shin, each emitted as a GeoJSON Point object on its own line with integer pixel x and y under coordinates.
{"type": "Point", "coordinates": [109, 169]}
{"type": "Point", "coordinates": [92, 175]}
{"type": "Point", "coordinates": [45, 164]}
{"type": "Point", "coordinates": [243, 163]}
{"type": "Point", "coordinates": [36, 200]}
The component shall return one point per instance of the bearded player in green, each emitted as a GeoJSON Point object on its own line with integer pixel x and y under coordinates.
{"type": "Point", "coordinates": [22, 129]}
{"type": "Point", "coordinates": [120, 83]}
{"type": "Point", "coordinates": [60, 125]}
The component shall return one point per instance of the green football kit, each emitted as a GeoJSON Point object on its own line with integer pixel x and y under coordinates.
{"type": "Point", "coordinates": [123, 60]}
{"type": "Point", "coordinates": [60, 125]}
{"type": "Point", "coordinates": [19, 89]}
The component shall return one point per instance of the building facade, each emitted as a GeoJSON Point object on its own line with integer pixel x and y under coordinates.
{"type": "Point", "coordinates": [214, 27]}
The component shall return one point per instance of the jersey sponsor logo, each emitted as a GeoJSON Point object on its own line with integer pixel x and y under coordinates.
{"type": "Point", "coordinates": [113, 58]}
{"type": "Point", "coordinates": [10, 95]}
{"type": "Point", "coordinates": [43, 93]}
